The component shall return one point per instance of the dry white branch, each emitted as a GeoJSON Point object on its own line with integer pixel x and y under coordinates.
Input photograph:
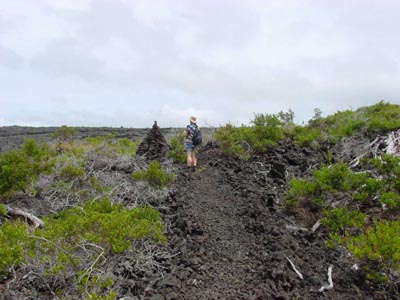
{"type": "Point", "coordinates": [294, 268]}
{"type": "Point", "coordinates": [316, 226]}
{"type": "Point", "coordinates": [355, 267]}
{"type": "Point", "coordinates": [29, 218]}
{"type": "Point", "coordinates": [295, 228]}
{"type": "Point", "coordinates": [330, 285]}
{"type": "Point", "coordinates": [393, 143]}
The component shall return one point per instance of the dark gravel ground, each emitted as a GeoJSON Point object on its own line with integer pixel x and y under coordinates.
{"type": "Point", "coordinates": [234, 240]}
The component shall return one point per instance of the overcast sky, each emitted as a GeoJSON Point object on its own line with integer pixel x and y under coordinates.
{"type": "Point", "coordinates": [128, 63]}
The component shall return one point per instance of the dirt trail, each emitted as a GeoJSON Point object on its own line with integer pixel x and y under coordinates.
{"type": "Point", "coordinates": [233, 242]}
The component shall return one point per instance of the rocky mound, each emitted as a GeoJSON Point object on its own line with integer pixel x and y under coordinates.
{"type": "Point", "coordinates": [154, 146]}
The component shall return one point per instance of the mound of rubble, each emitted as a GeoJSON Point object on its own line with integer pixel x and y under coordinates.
{"type": "Point", "coordinates": [154, 146]}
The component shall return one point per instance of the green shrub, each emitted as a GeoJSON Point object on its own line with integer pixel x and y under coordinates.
{"type": "Point", "coordinates": [3, 210]}
{"type": "Point", "coordinates": [267, 131]}
{"type": "Point", "coordinates": [69, 166]}
{"type": "Point", "coordinates": [40, 157]}
{"type": "Point", "coordinates": [18, 168]}
{"type": "Point", "coordinates": [232, 141]}
{"type": "Point", "coordinates": [15, 172]}
{"type": "Point", "coordinates": [13, 245]}
{"type": "Point", "coordinates": [64, 132]}
{"type": "Point", "coordinates": [324, 182]}
{"type": "Point", "coordinates": [109, 146]}
{"type": "Point", "coordinates": [177, 153]}
{"type": "Point", "coordinates": [341, 219]}
{"type": "Point", "coordinates": [300, 190]}
{"type": "Point", "coordinates": [379, 244]}
{"type": "Point", "coordinates": [391, 199]}
{"type": "Point", "coordinates": [94, 296]}
{"type": "Point", "coordinates": [70, 172]}
{"type": "Point", "coordinates": [101, 222]}
{"type": "Point", "coordinates": [306, 136]}
{"type": "Point", "coordinates": [387, 164]}
{"type": "Point", "coordinates": [125, 147]}
{"type": "Point", "coordinates": [382, 116]}
{"type": "Point", "coordinates": [379, 117]}
{"type": "Point", "coordinates": [154, 175]}
{"type": "Point", "coordinates": [337, 177]}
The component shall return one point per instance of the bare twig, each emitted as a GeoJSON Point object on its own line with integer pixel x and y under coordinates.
{"type": "Point", "coordinates": [294, 268]}
{"type": "Point", "coordinates": [330, 286]}
{"type": "Point", "coordinates": [316, 226]}
{"type": "Point", "coordinates": [295, 228]}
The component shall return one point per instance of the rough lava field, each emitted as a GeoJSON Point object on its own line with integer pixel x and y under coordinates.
{"type": "Point", "coordinates": [229, 234]}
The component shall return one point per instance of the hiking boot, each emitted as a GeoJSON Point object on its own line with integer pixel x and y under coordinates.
{"type": "Point", "coordinates": [193, 169]}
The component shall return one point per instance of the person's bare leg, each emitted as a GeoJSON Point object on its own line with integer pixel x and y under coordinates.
{"type": "Point", "coordinates": [189, 159]}
{"type": "Point", "coordinates": [194, 160]}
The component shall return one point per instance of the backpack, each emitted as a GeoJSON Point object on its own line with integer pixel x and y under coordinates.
{"type": "Point", "coordinates": [197, 139]}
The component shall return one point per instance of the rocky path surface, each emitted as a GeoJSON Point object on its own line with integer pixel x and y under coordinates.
{"type": "Point", "coordinates": [232, 242]}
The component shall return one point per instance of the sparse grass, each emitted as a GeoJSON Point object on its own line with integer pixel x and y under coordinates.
{"type": "Point", "coordinates": [154, 175]}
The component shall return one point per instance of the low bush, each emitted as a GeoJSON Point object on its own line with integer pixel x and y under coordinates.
{"type": "Point", "coordinates": [64, 132]}
{"type": "Point", "coordinates": [324, 182]}
{"type": "Point", "coordinates": [15, 172]}
{"type": "Point", "coordinates": [154, 175]}
{"type": "Point", "coordinates": [13, 245]}
{"type": "Point", "coordinates": [69, 166]}
{"type": "Point", "coordinates": [382, 116]}
{"type": "Point", "coordinates": [342, 219]}
{"type": "Point", "coordinates": [18, 168]}
{"type": "Point", "coordinates": [70, 172]}
{"type": "Point", "coordinates": [232, 141]}
{"type": "Point", "coordinates": [110, 146]}
{"type": "Point", "coordinates": [76, 242]}
{"type": "Point", "coordinates": [378, 248]}
{"type": "Point", "coordinates": [177, 153]}
{"type": "Point", "coordinates": [301, 191]}
{"type": "Point", "coordinates": [267, 131]}
{"type": "Point", "coordinates": [376, 245]}
{"type": "Point", "coordinates": [109, 225]}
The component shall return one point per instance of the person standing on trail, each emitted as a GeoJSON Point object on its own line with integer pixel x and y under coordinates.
{"type": "Point", "coordinates": [189, 146]}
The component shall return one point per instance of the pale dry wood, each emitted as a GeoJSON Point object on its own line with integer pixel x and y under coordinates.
{"type": "Point", "coordinates": [316, 226]}
{"type": "Point", "coordinates": [294, 268]}
{"type": "Point", "coordinates": [29, 218]}
{"type": "Point", "coordinates": [330, 281]}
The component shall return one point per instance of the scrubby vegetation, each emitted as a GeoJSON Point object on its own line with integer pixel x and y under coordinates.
{"type": "Point", "coordinates": [19, 168]}
{"type": "Point", "coordinates": [345, 196]}
{"type": "Point", "coordinates": [76, 241]}
{"type": "Point", "coordinates": [269, 129]}
{"type": "Point", "coordinates": [341, 196]}
{"type": "Point", "coordinates": [87, 229]}
{"type": "Point", "coordinates": [154, 175]}
{"type": "Point", "coordinates": [177, 153]}
{"type": "Point", "coordinates": [64, 133]}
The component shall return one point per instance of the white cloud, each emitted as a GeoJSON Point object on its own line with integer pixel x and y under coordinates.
{"type": "Point", "coordinates": [120, 62]}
